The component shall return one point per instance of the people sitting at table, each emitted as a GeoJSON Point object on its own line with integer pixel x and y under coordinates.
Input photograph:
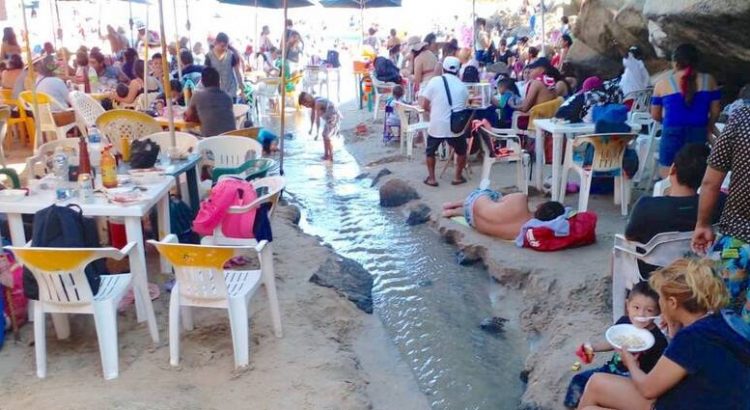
{"type": "Point", "coordinates": [129, 58]}
{"type": "Point", "coordinates": [686, 102]}
{"type": "Point", "coordinates": [138, 85]}
{"type": "Point", "coordinates": [211, 106]}
{"type": "Point", "coordinates": [540, 88]}
{"type": "Point", "coordinates": [156, 68]}
{"type": "Point", "coordinates": [47, 82]}
{"type": "Point", "coordinates": [175, 91]}
{"type": "Point", "coordinates": [500, 216]}
{"type": "Point", "coordinates": [86, 75]}
{"type": "Point", "coordinates": [189, 68]}
{"type": "Point", "coordinates": [12, 72]}
{"type": "Point", "coordinates": [707, 362]}
{"type": "Point", "coordinates": [105, 72]}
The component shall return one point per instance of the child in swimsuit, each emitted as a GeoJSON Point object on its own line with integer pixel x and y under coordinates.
{"type": "Point", "coordinates": [322, 109]}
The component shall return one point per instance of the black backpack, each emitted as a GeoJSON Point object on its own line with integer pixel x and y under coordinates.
{"type": "Point", "coordinates": [64, 227]}
{"type": "Point", "coordinates": [332, 59]}
{"type": "Point", "coordinates": [386, 71]}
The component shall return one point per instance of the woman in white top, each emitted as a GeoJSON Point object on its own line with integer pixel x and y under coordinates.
{"type": "Point", "coordinates": [636, 77]}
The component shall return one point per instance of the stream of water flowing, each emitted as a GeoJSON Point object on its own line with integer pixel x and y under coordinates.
{"type": "Point", "coordinates": [430, 305]}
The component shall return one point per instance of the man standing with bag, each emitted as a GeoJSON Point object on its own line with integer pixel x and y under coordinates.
{"type": "Point", "coordinates": [443, 97]}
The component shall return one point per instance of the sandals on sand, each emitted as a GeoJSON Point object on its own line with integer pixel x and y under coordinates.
{"type": "Point", "coordinates": [459, 182]}
{"type": "Point", "coordinates": [427, 182]}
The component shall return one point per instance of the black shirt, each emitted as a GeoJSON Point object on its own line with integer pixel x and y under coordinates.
{"type": "Point", "coordinates": [730, 153]}
{"type": "Point", "coordinates": [648, 359]}
{"type": "Point", "coordinates": [503, 57]}
{"type": "Point", "coordinates": [655, 215]}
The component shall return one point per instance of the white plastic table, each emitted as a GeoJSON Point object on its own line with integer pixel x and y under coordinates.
{"type": "Point", "coordinates": [558, 130]}
{"type": "Point", "coordinates": [156, 195]}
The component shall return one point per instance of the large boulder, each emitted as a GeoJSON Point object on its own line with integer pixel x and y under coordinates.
{"type": "Point", "coordinates": [717, 27]}
{"type": "Point", "coordinates": [396, 192]}
{"type": "Point", "coordinates": [348, 278]}
{"type": "Point", "coordinates": [605, 29]}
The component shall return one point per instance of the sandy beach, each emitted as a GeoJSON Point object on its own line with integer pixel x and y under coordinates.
{"type": "Point", "coordinates": [332, 355]}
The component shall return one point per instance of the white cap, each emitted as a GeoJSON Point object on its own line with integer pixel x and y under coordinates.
{"type": "Point", "coordinates": [451, 65]}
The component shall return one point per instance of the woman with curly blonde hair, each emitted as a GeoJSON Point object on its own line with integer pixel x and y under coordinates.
{"type": "Point", "coordinates": [707, 362]}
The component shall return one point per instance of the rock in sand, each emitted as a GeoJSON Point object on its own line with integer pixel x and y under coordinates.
{"type": "Point", "coordinates": [383, 172]}
{"type": "Point", "coordinates": [348, 278]}
{"type": "Point", "coordinates": [493, 324]}
{"type": "Point", "coordinates": [418, 213]}
{"type": "Point", "coordinates": [396, 192]}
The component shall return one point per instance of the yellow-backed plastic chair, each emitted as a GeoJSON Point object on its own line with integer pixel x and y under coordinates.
{"type": "Point", "coordinates": [23, 124]}
{"type": "Point", "coordinates": [544, 110]}
{"type": "Point", "coordinates": [609, 150]}
{"type": "Point", "coordinates": [117, 125]}
{"type": "Point", "coordinates": [202, 281]}
{"type": "Point", "coordinates": [64, 289]}
{"type": "Point", "coordinates": [46, 105]}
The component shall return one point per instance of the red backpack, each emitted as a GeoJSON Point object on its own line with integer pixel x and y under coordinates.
{"type": "Point", "coordinates": [214, 210]}
{"type": "Point", "coordinates": [582, 232]}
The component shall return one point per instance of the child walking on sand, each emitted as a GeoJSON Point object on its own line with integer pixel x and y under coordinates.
{"type": "Point", "coordinates": [322, 109]}
{"type": "Point", "coordinates": [643, 302]}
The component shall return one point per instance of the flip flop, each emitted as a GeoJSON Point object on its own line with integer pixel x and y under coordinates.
{"type": "Point", "coordinates": [432, 184]}
{"type": "Point", "coordinates": [459, 182]}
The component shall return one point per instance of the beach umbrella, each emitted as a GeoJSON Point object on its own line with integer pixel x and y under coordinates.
{"type": "Point", "coordinates": [165, 79]}
{"type": "Point", "coordinates": [361, 5]}
{"type": "Point", "coordinates": [285, 5]}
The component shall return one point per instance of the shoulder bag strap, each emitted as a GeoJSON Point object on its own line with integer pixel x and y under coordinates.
{"type": "Point", "coordinates": [447, 92]}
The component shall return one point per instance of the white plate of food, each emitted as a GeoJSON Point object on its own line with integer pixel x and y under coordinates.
{"type": "Point", "coordinates": [630, 337]}
{"type": "Point", "coordinates": [147, 176]}
{"type": "Point", "coordinates": [124, 196]}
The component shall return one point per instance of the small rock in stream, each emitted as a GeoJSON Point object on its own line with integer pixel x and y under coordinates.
{"type": "Point", "coordinates": [362, 176]}
{"type": "Point", "coordinates": [383, 172]}
{"type": "Point", "coordinates": [424, 283]}
{"type": "Point", "coordinates": [348, 278]}
{"type": "Point", "coordinates": [465, 259]}
{"type": "Point", "coordinates": [493, 324]}
{"type": "Point", "coordinates": [419, 213]}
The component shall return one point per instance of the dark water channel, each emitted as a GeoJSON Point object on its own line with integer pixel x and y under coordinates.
{"type": "Point", "coordinates": [430, 305]}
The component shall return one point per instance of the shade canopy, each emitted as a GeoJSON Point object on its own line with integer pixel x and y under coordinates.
{"type": "Point", "coordinates": [356, 4]}
{"type": "Point", "coordinates": [269, 4]}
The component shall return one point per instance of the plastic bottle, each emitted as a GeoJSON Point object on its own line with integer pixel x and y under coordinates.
{"type": "Point", "coordinates": [187, 91]}
{"type": "Point", "coordinates": [84, 162]}
{"type": "Point", "coordinates": [94, 136]}
{"type": "Point", "coordinates": [60, 164]}
{"type": "Point", "coordinates": [109, 168]}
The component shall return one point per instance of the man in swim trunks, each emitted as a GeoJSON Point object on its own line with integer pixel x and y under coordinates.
{"type": "Point", "coordinates": [500, 216]}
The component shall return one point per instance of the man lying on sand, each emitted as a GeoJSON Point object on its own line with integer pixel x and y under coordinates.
{"type": "Point", "coordinates": [500, 216]}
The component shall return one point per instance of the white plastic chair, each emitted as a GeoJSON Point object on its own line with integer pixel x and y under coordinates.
{"type": "Point", "coordinates": [382, 91]}
{"type": "Point", "coordinates": [609, 150]}
{"type": "Point", "coordinates": [37, 163]}
{"type": "Point", "coordinates": [186, 142]}
{"type": "Point", "coordinates": [518, 155]}
{"type": "Point", "coordinates": [46, 120]}
{"type": "Point", "coordinates": [661, 250]}
{"type": "Point", "coordinates": [202, 281]}
{"type": "Point", "coordinates": [87, 110]}
{"type": "Point", "coordinates": [240, 113]}
{"type": "Point", "coordinates": [408, 131]}
{"type": "Point", "coordinates": [640, 110]}
{"type": "Point", "coordinates": [63, 288]}
{"type": "Point", "coordinates": [315, 76]}
{"type": "Point", "coordinates": [228, 151]}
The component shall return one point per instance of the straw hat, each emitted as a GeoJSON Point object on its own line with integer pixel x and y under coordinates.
{"type": "Point", "coordinates": [413, 43]}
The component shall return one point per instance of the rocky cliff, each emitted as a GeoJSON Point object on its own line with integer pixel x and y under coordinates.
{"type": "Point", "coordinates": [605, 29]}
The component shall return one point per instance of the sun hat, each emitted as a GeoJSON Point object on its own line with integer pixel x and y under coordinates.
{"type": "Point", "coordinates": [451, 65]}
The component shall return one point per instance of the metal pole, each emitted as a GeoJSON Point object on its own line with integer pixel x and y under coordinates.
{"type": "Point", "coordinates": [130, 21]}
{"type": "Point", "coordinates": [32, 77]}
{"type": "Point", "coordinates": [165, 77]}
{"type": "Point", "coordinates": [257, 38]}
{"type": "Point", "coordinates": [177, 42]}
{"type": "Point", "coordinates": [542, 52]}
{"type": "Point", "coordinates": [146, 44]}
{"type": "Point", "coordinates": [474, 25]}
{"type": "Point", "coordinates": [283, 91]}
{"type": "Point", "coordinates": [187, 25]}
{"type": "Point", "coordinates": [52, 5]}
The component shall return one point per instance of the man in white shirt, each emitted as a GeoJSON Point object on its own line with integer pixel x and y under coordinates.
{"type": "Point", "coordinates": [434, 100]}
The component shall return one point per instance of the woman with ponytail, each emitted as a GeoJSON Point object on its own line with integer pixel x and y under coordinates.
{"type": "Point", "coordinates": [686, 102]}
{"type": "Point", "coordinates": [707, 362]}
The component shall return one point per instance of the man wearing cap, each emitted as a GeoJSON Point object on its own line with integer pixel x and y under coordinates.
{"type": "Point", "coordinates": [434, 100]}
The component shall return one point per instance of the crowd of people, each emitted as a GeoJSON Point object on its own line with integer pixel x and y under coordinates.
{"type": "Point", "coordinates": [703, 304]}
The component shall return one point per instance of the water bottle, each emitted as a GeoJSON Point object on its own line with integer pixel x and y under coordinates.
{"type": "Point", "coordinates": [60, 164]}
{"type": "Point", "coordinates": [94, 136]}
{"type": "Point", "coordinates": [85, 188]}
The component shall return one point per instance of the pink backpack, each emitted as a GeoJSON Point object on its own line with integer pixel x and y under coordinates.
{"type": "Point", "coordinates": [214, 210]}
